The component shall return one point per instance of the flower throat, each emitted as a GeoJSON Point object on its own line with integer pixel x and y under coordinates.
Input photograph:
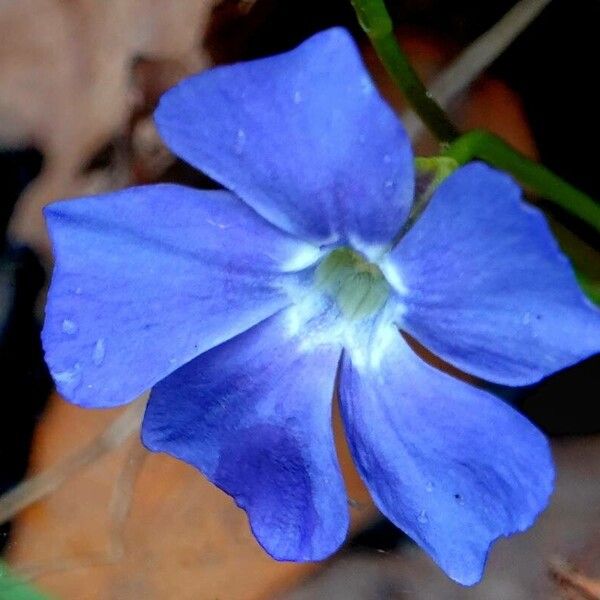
{"type": "Point", "coordinates": [358, 287]}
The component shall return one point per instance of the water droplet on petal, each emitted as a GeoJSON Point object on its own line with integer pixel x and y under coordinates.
{"type": "Point", "coordinates": [69, 327]}
{"type": "Point", "coordinates": [68, 379]}
{"type": "Point", "coordinates": [429, 487]}
{"type": "Point", "coordinates": [459, 499]}
{"type": "Point", "coordinates": [297, 97]}
{"type": "Point", "coordinates": [78, 291]}
{"type": "Point", "coordinates": [99, 352]}
{"type": "Point", "coordinates": [389, 187]}
{"type": "Point", "coordinates": [366, 85]}
{"type": "Point", "coordinates": [172, 360]}
{"type": "Point", "coordinates": [387, 159]}
{"type": "Point", "coordinates": [240, 142]}
{"type": "Point", "coordinates": [423, 518]}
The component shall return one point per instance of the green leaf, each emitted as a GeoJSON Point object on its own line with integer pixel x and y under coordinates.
{"type": "Point", "coordinates": [11, 588]}
{"type": "Point", "coordinates": [591, 287]}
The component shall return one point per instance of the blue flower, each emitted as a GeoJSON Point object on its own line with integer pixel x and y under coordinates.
{"type": "Point", "coordinates": [242, 307]}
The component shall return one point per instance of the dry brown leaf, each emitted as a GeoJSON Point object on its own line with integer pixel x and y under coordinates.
{"type": "Point", "coordinates": [181, 537]}
{"type": "Point", "coordinates": [68, 85]}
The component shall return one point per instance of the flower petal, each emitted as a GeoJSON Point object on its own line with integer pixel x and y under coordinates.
{"type": "Point", "coordinates": [148, 278]}
{"type": "Point", "coordinates": [303, 137]}
{"type": "Point", "coordinates": [254, 415]}
{"type": "Point", "coordinates": [486, 287]}
{"type": "Point", "coordinates": [451, 465]}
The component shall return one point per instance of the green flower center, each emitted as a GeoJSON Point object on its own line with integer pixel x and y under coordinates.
{"type": "Point", "coordinates": [358, 287]}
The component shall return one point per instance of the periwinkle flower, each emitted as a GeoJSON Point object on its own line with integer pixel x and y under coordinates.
{"type": "Point", "coordinates": [241, 308]}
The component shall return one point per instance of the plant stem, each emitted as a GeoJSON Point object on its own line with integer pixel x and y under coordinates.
{"type": "Point", "coordinates": [477, 57]}
{"type": "Point", "coordinates": [43, 484]}
{"type": "Point", "coordinates": [375, 20]}
{"type": "Point", "coordinates": [493, 150]}
{"type": "Point", "coordinates": [377, 24]}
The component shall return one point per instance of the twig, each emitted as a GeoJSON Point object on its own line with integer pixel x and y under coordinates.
{"type": "Point", "coordinates": [119, 510]}
{"type": "Point", "coordinates": [122, 498]}
{"type": "Point", "coordinates": [377, 24]}
{"type": "Point", "coordinates": [588, 588]}
{"type": "Point", "coordinates": [39, 486]}
{"type": "Point", "coordinates": [33, 571]}
{"type": "Point", "coordinates": [477, 58]}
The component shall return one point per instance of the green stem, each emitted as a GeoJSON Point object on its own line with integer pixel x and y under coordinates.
{"type": "Point", "coordinates": [493, 150]}
{"type": "Point", "coordinates": [376, 22]}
